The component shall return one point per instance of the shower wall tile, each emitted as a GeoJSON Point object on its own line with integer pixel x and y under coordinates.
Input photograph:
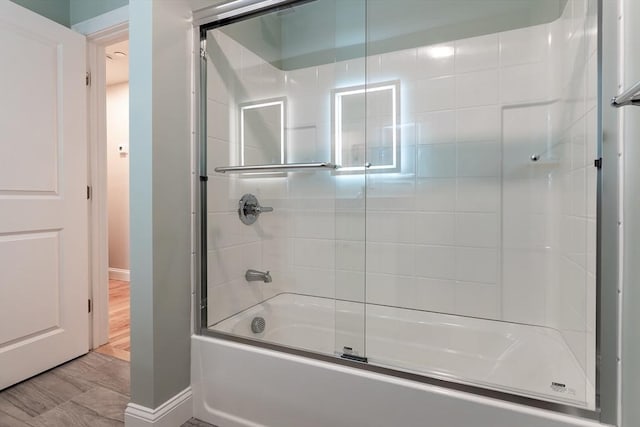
{"type": "Point", "coordinates": [436, 128]}
{"type": "Point", "coordinates": [434, 94]}
{"type": "Point", "coordinates": [317, 253]}
{"type": "Point", "coordinates": [592, 76]}
{"type": "Point", "coordinates": [436, 60]}
{"type": "Point", "coordinates": [390, 192]}
{"type": "Point", "coordinates": [434, 232]}
{"type": "Point", "coordinates": [218, 154]}
{"type": "Point", "coordinates": [304, 112]}
{"type": "Point", "coordinates": [436, 161]}
{"type": "Point", "coordinates": [478, 124]}
{"type": "Point", "coordinates": [477, 300]}
{"type": "Point", "coordinates": [229, 264]}
{"type": "Point", "coordinates": [477, 195]}
{"type": "Point", "coordinates": [476, 265]}
{"type": "Point", "coordinates": [398, 65]}
{"type": "Point", "coordinates": [314, 224]}
{"type": "Point", "coordinates": [276, 253]}
{"type": "Point", "coordinates": [218, 195]}
{"type": "Point", "coordinates": [231, 298]}
{"type": "Point", "coordinates": [313, 281]}
{"type": "Point", "coordinates": [591, 246]}
{"type": "Point", "coordinates": [476, 53]}
{"type": "Point", "coordinates": [217, 88]}
{"type": "Point", "coordinates": [524, 45]}
{"type": "Point", "coordinates": [526, 271]}
{"type": "Point", "coordinates": [522, 83]}
{"type": "Point", "coordinates": [572, 296]}
{"type": "Point", "coordinates": [303, 145]}
{"type": "Point", "coordinates": [478, 159]}
{"type": "Point", "coordinates": [390, 227]}
{"type": "Point", "coordinates": [436, 194]}
{"type": "Point", "coordinates": [350, 285]}
{"type": "Point", "coordinates": [218, 120]}
{"type": "Point", "coordinates": [390, 258]}
{"type": "Point", "coordinates": [436, 262]}
{"type": "Point", "coordinates": [349, 73]}
{"type": "Point", "coordinates": [405, 291]}
{"type": "Point", "coordinates": [350, 255]}
{"type": "Point", "coordinates": [476, 89]}
{"type": "Point", "coordinates": [524, 230]}
{"type": "Point", "coordinates": [270, 191]}
{"type": "Point", "coordinates": [226, 230]}
{"type": "Point", "coordinates": [578, 192]}
{"type": "Point", "coordinates": [312, 186]}
{"type": "Point", "coordinates": [477, 230]}
{"type": "Point", "coordinates": [350, 224]}
{"type": "Point", "coordinates": [435, 228]}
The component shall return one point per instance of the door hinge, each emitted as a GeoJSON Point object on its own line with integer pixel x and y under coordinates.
{"type": "Point", "coordinates": [88, 192]}
{"type": "Point", "coordinates": [89, 305]}
{"type": "Point", "coordinates": [598, 163]}
{"type": "Point", "coordinates": [87, 78]}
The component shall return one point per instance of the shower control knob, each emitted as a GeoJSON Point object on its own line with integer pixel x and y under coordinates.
{"type": "Point", "coordinates": [249, 209]}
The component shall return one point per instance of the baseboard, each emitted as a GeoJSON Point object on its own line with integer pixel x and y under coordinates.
{"type": "Point", "coordinates": [119, 274]}
{"type": "Point", "coordinates": [174, 412]}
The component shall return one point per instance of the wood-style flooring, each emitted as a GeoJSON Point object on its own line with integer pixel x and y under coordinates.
{"type": "Point", "coordinates": [119, 344]}
{"type": "Point", "coordinates": [90, 391]}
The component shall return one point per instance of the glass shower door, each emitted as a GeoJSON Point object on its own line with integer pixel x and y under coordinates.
{"type": "Point", "coordinates": [285, 260]}
{"type": "Point", "coordinates": [480, 195]}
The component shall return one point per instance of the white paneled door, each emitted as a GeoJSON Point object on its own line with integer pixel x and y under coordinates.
{"type": "Point", "coordinates": [43, 206]}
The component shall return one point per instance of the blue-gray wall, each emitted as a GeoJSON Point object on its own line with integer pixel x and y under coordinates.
{"type": "Point", "coordinates": [81, 10]}
{"type": "Point", "coordinates": [69, 12]}
{"type": "Point", "coordinates": [56, 10]}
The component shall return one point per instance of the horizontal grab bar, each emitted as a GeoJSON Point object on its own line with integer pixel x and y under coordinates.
{"type": "Point", "coordinates": [275, 168]}
{"type": "Point", "coordinates": [629, 97]}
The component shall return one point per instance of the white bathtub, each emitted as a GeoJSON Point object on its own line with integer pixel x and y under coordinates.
{"type": "Point", "coordinates": [243, 385]}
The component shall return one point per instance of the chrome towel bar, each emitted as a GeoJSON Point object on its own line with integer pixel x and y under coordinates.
{"type": "Point", "coordinates": [275, 168]}
{"type": "Point", "coordinates": [629, 97]}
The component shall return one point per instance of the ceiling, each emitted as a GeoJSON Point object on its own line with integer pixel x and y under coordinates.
{"type": "Point", "coordinates": [117, 63]}
{"type": "Point", "coordinates": [324, 31]}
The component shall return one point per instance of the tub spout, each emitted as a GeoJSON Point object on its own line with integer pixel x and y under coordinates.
{"type": "Point", "coordinates": [257, 276]}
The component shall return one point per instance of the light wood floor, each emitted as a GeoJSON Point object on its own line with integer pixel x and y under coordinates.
{"type": "Point", "coordinates": [119, 329]}
{"type": "Point", "coordinates": [90, 391]}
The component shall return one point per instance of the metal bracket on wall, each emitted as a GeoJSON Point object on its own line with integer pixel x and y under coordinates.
{"type": "Point", "coordinates": [630, 96]}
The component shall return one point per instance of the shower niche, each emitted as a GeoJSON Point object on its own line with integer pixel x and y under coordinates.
{"type": "Point", "coordinates": [430, 169]}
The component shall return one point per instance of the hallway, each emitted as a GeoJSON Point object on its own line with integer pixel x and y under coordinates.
{"type": "Point", "coordinates": [119, 318]}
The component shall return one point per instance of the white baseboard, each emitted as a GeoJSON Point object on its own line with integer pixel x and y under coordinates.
{"type": "Point", "coordinates": [174, 412]}
{"type": "Point", "coordinates": [119, 274]}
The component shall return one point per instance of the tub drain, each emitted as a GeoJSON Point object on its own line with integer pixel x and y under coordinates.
{"type": "Point", "coordinates": [257, 325]}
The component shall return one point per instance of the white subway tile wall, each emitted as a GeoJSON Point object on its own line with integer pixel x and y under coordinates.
{"type": "Point", "coordinates": [469, 224]}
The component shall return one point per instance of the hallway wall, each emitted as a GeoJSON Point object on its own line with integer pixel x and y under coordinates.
{"type": "Point", "coordinates": [118, 175]}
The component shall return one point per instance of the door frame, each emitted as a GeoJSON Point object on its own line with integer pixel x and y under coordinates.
{"type": "Point", "coordinates": [101, 31]}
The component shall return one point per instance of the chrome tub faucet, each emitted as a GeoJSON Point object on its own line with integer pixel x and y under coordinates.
{"type": "Point", "coordinates": [257, 276]}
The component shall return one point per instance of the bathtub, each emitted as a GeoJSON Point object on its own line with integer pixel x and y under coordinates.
{"type": "Point", "coordinates": [236, 384]}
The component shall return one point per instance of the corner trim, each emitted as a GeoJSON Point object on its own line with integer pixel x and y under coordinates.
{"type": "Point", "coordinates": [174, 412]}
{"type": "Point", "coordinates": [119, 274]}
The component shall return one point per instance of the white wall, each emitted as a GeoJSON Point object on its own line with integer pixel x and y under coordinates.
{"type": "Point", "coordinates": [118, 175]}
